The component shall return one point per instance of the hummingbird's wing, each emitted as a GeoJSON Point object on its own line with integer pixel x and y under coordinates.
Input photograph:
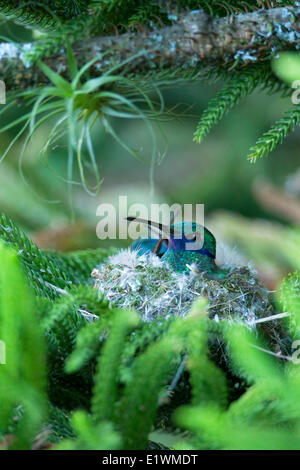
{"type": "Point", "coordinates": [147, 245]}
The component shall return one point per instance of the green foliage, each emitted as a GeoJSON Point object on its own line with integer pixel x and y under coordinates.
{"type": "Point", "coordinates": [39, 269]}
{"type": "Point", "coordinates": [145, 335]}
{"type": "Point", "coordinates": [42, 15]}
{"type": "Point", "coordinates": [238, 86]}
{"type": "Point", "coordinates": [279, 131]}
{"type": "Point", "coordinates": [207, 381]}
{"type": "Point", "coordinates": [141, 395]}
{"type": "Point", "coordinates": [126, 13]}
{"type": "Point", "coordinates": [287, 67]}
{"type": "Point", "coordinates": [289, 298]}
{"type": "Point", "coordinates": [106, 377]}
{"type": "Point", "coordinates": [88, 344]}
{"type": "Point", "coordinates": [96, 377]}
{"type": "Point", "coordinates": [266, 416]}
{"type": "Point", "coordinates": [262, 418]}
{"type": "Point", "coordinates": [91, 436]}
{"type": "Point", "coordinates": [225, 7]}
{"type": "Point", "coordinates": [50, 271]}
{"type": "Point", "coordinates": [23, 374]}
{"type": "Point", "coordinates": [123, 13]}
{"type": "Point", "coordinates": [107, 383]}
{"type": "Point", "coordinates": [77, 106]}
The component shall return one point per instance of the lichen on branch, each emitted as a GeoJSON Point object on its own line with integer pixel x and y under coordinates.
{"type": "Point", "coordinates": [193, 39]}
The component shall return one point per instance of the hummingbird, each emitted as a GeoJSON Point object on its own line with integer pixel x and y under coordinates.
{"type": "Point", "coordinates": [185, 246]}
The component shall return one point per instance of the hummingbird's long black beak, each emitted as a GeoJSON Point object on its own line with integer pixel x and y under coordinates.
{"type": "Point", "coordinates": [162, 230]}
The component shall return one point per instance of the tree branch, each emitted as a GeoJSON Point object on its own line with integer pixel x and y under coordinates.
{"type": "Point", "coordinates": [194, 39]}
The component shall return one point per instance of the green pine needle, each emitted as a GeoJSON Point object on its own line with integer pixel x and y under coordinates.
{"type": "Point", "coordinates": [241, 85]}
{"type": "Point", "coordinates": [274, 136]}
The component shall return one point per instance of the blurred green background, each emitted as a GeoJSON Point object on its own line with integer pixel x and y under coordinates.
{"type": "Point", "coordinates": [248, 206]}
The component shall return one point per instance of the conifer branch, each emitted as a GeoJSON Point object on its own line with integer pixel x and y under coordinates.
{"type": "Point", "coordinates": [238, 87]}
{"type": "Point", "coordinates": [194, 39]}
{"type": "Point", "coordinates": [270, 139]}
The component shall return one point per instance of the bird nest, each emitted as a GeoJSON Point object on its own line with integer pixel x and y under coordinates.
{"type": "Point", "coordinates": [147, 284]}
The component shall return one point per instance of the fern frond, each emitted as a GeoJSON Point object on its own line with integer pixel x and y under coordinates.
{"type": "Point", "coordinates": [274, 136]}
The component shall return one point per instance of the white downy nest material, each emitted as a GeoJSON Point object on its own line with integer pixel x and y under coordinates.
{"type": "Point", "coordinates": [148, 285]}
